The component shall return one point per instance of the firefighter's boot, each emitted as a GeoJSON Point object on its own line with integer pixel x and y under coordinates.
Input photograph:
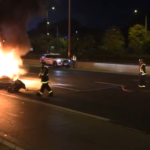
{"type": "Point", "coordinates": [50, 94]}
{"type": "Point", "coordinates": [38, 94]}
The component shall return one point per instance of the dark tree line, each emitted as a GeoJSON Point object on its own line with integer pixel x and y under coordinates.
{"type": "Point", "coordinates": [90, 41]}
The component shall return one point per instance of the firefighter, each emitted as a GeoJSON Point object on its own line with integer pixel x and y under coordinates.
{"type": "Point", "coordinates": [44, 75]}
{"type": "Point", "coordinates": [74, 59]}
{"type": "Point", "coordinates": [142, 74]}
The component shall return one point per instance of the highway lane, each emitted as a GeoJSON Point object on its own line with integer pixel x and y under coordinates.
{"type": "Point", "coordinates": [34, 125]}
{"type": "Point", "coordinates": [100, 94]}
{"type": "Point", "coordinates": [95, 93]}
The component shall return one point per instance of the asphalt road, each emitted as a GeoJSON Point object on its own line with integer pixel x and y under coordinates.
{"type": "Point", "coordinates": [94, 93]}
{"type": "Point", "coordinates": [3, 147]}
{"type": "Point", "coordinates": [99, 94]}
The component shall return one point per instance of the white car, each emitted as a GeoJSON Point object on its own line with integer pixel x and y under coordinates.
{"type": "Point", "coordinates": [55, 59]}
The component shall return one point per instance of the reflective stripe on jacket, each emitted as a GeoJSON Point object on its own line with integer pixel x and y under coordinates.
{"type": "Point", "coordinates": [44, 75]}
{"type": "Point", "coordinates": [74, 58]}
{"type": "Point", "coordinates": [143, 69]}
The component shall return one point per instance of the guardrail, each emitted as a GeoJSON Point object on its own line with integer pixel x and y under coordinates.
{"type": "Point", "coordinates": [109, 67]}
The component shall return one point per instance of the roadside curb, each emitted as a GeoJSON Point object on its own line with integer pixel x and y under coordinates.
{"type": "Point", "coordinates": [10, 145]}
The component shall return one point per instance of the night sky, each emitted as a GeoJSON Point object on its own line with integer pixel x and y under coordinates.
{"type": "Point", "coordinates": [95, 13]}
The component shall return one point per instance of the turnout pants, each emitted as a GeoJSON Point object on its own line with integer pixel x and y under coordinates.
{"type": "Point", "coordinates": [142, 81]}
{"type": "Point", "coordinates": [47, 87]}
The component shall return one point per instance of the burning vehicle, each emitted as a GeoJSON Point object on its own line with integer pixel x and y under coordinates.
{"type": "Point", "coordinates": [10, 71]}
{"type": "Point", "coordinates": [11, 86]}
{"type": "Point", "coordinates": [15, 15]}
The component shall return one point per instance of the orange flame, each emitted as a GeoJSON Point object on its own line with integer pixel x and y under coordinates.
{"type": "Point", "coordinates": [9, 66]}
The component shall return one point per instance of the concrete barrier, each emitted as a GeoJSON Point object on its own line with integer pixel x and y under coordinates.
{"type": "Point", "coordinates": [131, 69]}
{"type": "Point", "coordinates": [109, 67]}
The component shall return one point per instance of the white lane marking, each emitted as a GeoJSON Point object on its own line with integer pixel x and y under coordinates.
{"type": "Point", "coordinates": [65, 88]}
{"type": "Point", "coordinates": [109, 83]}
{"type": "Point", "coordinates": [57, 107]}
{"type": "Point", "coordinates": [11, 114]}
{"type": "Point", "coordinates": [96, 89]}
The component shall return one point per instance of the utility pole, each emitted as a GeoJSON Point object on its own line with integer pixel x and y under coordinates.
{"type": "Point", "coordinates": [48, 23]}
{"type": "Point", "coordinates": [136, 11]}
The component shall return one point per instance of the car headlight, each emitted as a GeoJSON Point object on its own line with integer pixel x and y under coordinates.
{"type": "Point", "coordinates": [58, 60]}
{"type": "Point", "coordinates": [69, 60]}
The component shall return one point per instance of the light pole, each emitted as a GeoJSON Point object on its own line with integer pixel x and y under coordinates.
{"type": "Point", "coordinates": [48, 23]}
{"type": "Point", "coordinates": [53, 8]}
{"type": "Point", "coordinates": [135, 11]}
{"type": "Point", "coordinates": [69, 28]}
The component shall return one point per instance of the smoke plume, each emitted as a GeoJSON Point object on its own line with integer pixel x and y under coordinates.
{"type": "Point", "coordinates": [14, 18]}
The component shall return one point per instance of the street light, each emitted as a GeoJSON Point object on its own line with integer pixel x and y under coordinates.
{"type": "Point", "coordinates": [145, 20]}
{"type": "Point", "coordinates": [135, 11]}
{"type": "Point", "coordinates": [48, 23]}
{"type": "Point", "coordinates": [69, 28]}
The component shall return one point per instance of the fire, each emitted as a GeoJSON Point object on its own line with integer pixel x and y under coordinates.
{"type": "Point", "coordinates": [9, 65]}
